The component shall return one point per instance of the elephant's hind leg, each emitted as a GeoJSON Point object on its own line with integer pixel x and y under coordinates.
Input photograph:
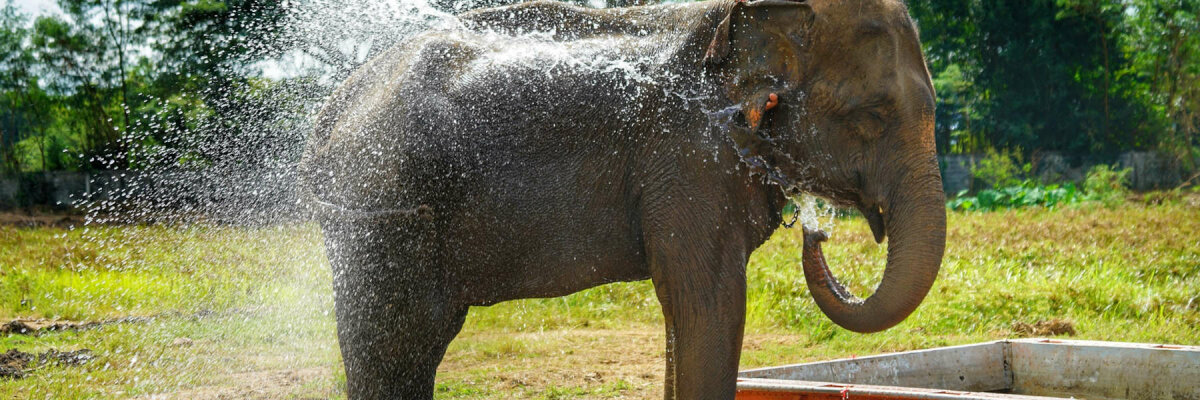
{"type": "Point", "coordinates": [395, 314]}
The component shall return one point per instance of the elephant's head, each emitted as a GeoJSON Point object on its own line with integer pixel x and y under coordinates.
{"type": "Point", "coordinates": [835, 100]}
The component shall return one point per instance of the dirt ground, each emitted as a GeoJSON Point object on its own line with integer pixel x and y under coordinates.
{"type": "Point", "coordinates": [531, 363]}
{"type": "Point", "coordinates": [273, 384]}
{"type": "Point", "coordinates": [620, 364]}
{"type": "Point", "coordinates": [624, 364]}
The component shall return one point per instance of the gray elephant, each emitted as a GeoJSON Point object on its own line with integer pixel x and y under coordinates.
{"type": "Point", "coordinates": [477, 164]}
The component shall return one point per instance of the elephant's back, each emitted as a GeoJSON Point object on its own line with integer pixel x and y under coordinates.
{"type": "Point", "coordinates": [427, 119]}
{"type": "Point", "coordinates": [379, 141]}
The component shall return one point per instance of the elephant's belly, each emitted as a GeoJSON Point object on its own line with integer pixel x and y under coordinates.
{"type": "Point", "coordinates": [540, 275]}
{"type": "Point", "coordinates": [544, 242]}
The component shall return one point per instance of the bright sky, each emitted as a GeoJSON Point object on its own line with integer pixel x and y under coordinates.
{"type": "Point", "coordinates": [34, 7]}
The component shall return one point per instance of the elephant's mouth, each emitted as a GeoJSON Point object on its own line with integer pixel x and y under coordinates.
{"type": "Point", "coordinates": [874, 215]}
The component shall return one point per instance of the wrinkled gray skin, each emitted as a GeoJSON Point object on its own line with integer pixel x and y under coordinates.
{"type": "Point", "coordinates": [464, 169]}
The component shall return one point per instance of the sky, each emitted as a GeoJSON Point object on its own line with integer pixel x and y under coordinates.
{"type": "Point", "coordinates": [34, 7]}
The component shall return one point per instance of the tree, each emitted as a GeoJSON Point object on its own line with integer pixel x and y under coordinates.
{"type": "Point", "coordinates": [77, 69]}
{"type": "Point", "coordinates": [1165, 50]}
{"type": "Point", "coordinates": [957, 113]}
{"type": "Point", "coordinates": [23, 104]}
{"type": "Point", "coordinates": [87, 56]}
{"type": "Point", "coordinates": [1042, 74]}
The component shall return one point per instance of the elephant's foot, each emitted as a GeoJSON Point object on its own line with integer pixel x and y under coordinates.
{"type": "Point", "coordinates": [397, 361]}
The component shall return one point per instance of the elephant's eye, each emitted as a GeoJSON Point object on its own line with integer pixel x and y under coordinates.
{"type": "Point", "coordinates": [869, 123]}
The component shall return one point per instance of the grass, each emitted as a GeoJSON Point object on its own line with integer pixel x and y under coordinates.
{"type": "Point", "coordinates": [256, 306]}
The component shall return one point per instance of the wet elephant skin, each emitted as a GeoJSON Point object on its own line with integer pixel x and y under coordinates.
{"type": "Point", "coordinates": [473, 164]}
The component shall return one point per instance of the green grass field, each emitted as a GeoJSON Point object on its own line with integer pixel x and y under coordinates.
{"type": "Point", "coordinates": [247, 313]}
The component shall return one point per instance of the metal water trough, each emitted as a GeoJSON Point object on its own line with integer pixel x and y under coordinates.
{"type": "Point", "coordinates": [1007, 369]}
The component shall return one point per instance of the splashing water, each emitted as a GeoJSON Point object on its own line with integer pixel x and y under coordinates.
{"type": "Point", "coordinates": [208, 231]}
{"type": "Point", "coordinates": [815, 213]}
{"type": "Point", "coordinates": [232, 186]}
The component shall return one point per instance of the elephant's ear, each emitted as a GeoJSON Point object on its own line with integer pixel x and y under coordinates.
{"type": "Point", "coordinates": [757, 49]}
{"type": "Point", "coordinates": [754, 17]}
{"type": "Point", "coordinates": [718, 49]}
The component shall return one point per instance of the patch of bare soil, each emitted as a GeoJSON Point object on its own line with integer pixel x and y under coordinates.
{"type": "Point", "coordinates": [32, 326]}
{"type": "Point", "coordinates": [26, 326]}
{"type": "Point", "coordinates": [271, 384]}
{"type": "Point", "coordinates": [16, 364]}
{"type": "Point", "coordinates": [1053, 327]}
{"type": "Point", "coordinates": [628, 363]}
{"type": "Point", "coordinates": [37, 219]}
{"type": "Point", "coordinates": [519, 365]}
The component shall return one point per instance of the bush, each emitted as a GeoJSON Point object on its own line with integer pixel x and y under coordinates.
{"type": "Point", "coordinates": [1002, 172]}
{"type": "Point", "coordinates": [1000, 169]}
{"type": "Point", "coordinates": [1106, 184]}
{"type": "Point", "coordinates": [1027, 193]}
{"type": "Point", "coordinates": [1173, 196]}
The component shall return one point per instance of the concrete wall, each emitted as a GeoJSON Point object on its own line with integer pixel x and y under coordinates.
{"type": "Point", "coordinates": [236, 196]}
{"type": "Point", "coordinates": [66, 189]}
{"type": "Point", "coordinates": [59, 189]}
{"type": "Point", "coordinates": [956, 172]}
{"type": "Point", "coordinates": [1150, 170]}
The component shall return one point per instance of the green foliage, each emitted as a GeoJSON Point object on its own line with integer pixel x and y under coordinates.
{"type": "Point", "coordinates": [1104, 185]}
{"type": "Point", "coordinates": [1001, 168]}
{"type": "Point", "coordinates": [1107, 185]}
{"type": "Point", "coordinates": [1024, 194]}
{"type": "Point", "coordinates": [84, 58]}
{"type": "Point", "coordinates": [114, 82]}
{"type": "Point", "coordinates": [1160, 37]}
{"type": "Point", "coordinates": [1008, 185]}
{"type": "Point", "coordinates": [118, 80]}
{"type": "Point", "coordinates": [958, 111]}
{"type": "Point", "coordinates": [1063, 75]}
{"type": "Point", "coordinates": [19, 92]}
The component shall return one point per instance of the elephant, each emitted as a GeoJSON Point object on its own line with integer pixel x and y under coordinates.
{"type": "Point", "coordinates": [539, 149]}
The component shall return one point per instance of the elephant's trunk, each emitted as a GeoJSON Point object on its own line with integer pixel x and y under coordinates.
{"type": "Point", "coordinates": [915, 222]}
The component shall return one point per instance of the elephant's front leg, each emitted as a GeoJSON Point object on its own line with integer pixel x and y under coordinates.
{"type": "Point", "coordinates": [702, 289]}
